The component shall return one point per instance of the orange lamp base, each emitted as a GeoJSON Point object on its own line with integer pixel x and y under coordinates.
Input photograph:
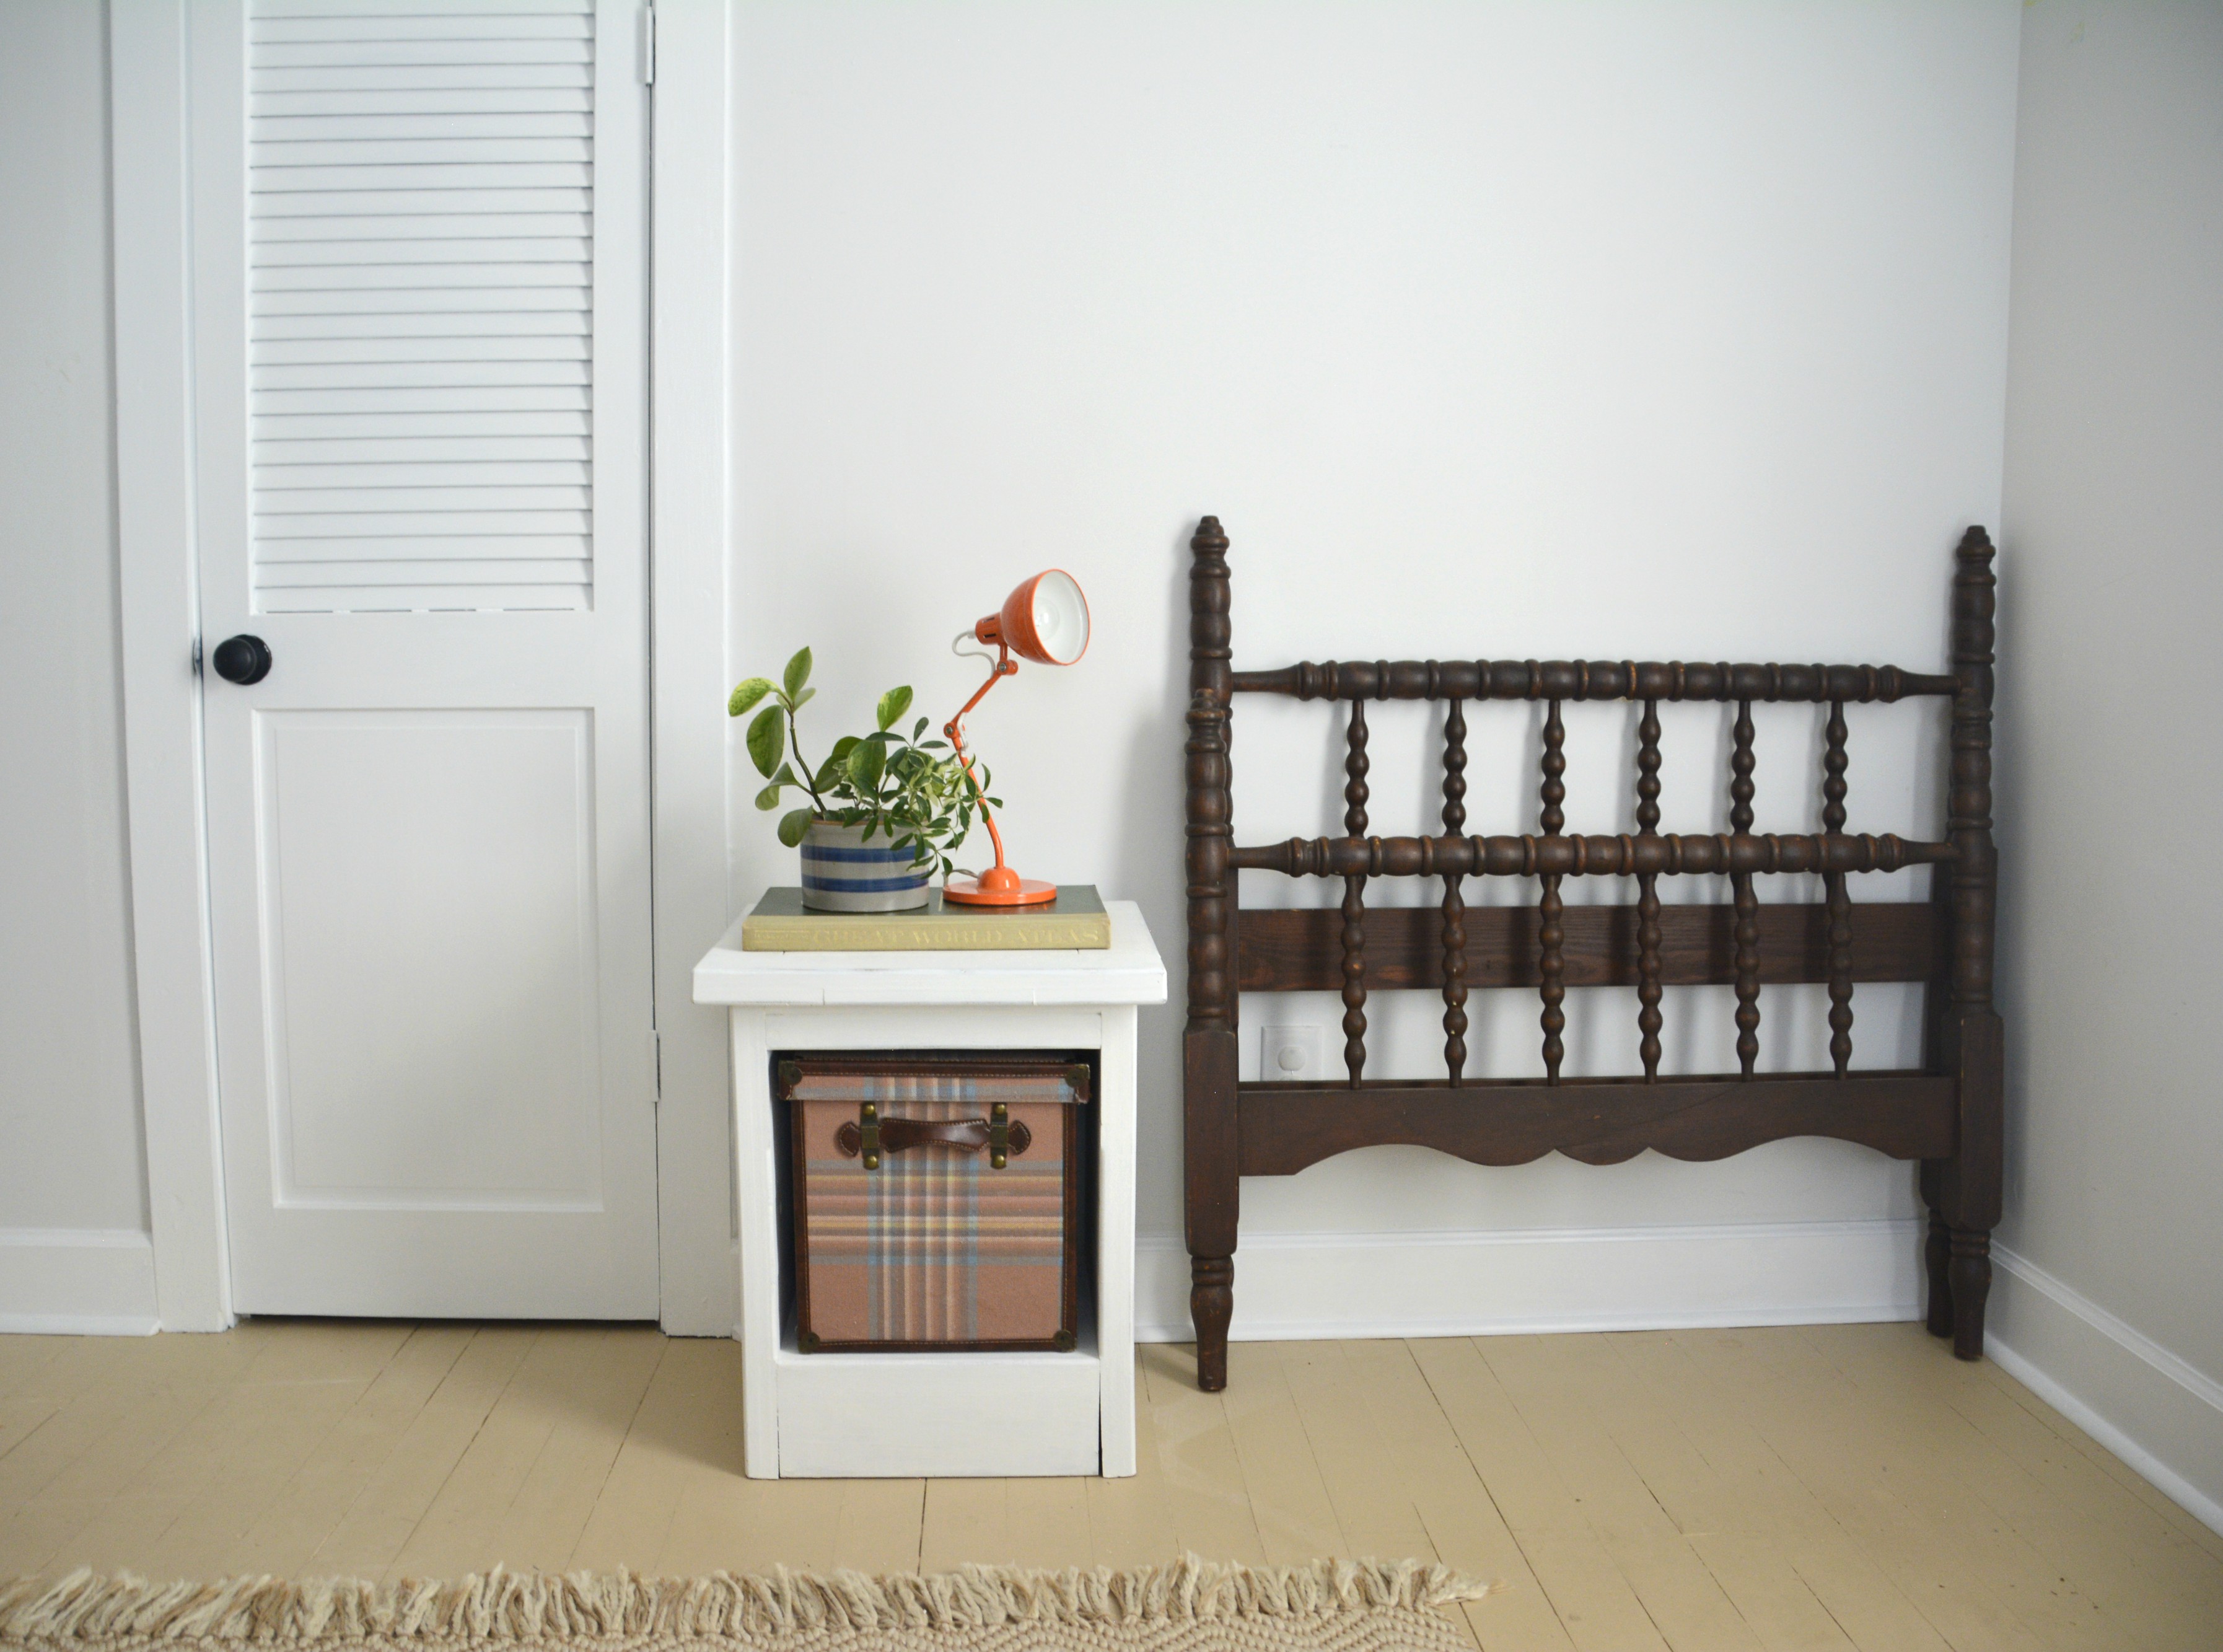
{"type": "Point", "coordinates": [999, 887]}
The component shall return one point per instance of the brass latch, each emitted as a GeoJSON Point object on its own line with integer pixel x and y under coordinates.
{"type": "Point", "coordinates": [870, 1119]}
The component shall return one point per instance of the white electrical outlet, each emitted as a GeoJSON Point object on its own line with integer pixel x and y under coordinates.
{"type": "Point", "coordinates": [1292, 1054]}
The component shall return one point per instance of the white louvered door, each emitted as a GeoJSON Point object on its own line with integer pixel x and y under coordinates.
{"type": "Point", "coordinates": [420, 291]}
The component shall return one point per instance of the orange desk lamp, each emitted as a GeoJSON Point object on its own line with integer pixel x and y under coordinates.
{"type": "Point", "coordinates": [1045, 620]}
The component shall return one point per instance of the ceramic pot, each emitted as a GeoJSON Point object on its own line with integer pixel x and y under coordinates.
{"type": "Point", "coordinates": [842, 872]}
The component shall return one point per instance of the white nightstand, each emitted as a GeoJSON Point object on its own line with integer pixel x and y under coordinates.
{"type": "Point", "coordinates": [937, 1413]}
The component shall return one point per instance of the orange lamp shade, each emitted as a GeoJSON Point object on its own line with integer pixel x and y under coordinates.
{"type": "Point", "coordinates": [1044, 620]}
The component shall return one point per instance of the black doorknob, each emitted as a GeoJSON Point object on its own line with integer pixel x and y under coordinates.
{"type": "Point", "coordinates": [242, 659]}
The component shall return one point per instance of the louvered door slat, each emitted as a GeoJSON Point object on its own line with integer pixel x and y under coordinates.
{"type": "Point", "coordinates": [317, 375]}
{"type": "Point", "coordinates": [400, 480]}
{"type": "Point", "coordinates": [421, 295]}
{"type": "Point", "coordinates": [335, 231]}
{"type": "Point", "coordinates": [272, 8]}
{"type": "Point", "coordinates": [471, 25]}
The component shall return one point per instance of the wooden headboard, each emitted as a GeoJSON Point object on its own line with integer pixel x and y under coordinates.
{"type": "Point", "coordinates": [1946, 1113]}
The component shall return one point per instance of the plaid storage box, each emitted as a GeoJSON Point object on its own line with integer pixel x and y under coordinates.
{"type": "Point", "coordinates": [909, 1235]}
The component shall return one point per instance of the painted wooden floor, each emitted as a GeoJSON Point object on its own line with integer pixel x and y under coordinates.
{"type": "Point", "coordinates": [1704, 1491]}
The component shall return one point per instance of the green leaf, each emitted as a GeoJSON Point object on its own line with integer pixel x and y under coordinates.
{"type": "Point", "coordinates": [893, 704]}
{"type": "Point", "coordinates": [918, 727]}
{"type": "Point", "coordinates": [830, 774]}
{"type": "Point", "coordinates": [800, 700]}
{"type": "Point", "coordinates": [797, 673]}
{"type": "Point", "coordinates": [865, 760]}
{"type": "Point", "coordinates": [747, 694]}
{"type": "Point", "coordinates": [767, 735]}
{"type": "Point", "coordinates": [768, 799]}
{"type": "Point", "coordinates": [843, 746]}
{"type": "Point", "coordinates": [792, 825]}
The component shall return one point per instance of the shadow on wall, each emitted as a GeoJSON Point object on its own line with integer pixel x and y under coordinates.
{"type": "Point", "coordinates": [1146, 866]}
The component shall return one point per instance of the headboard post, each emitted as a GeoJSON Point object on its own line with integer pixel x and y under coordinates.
{"type": "Point", "coordinates": [1208, 1053]}
{"type": "Point", "coordinates": [1964, 1191]}
{"type": "Point", "coordinates": [1968, 806]}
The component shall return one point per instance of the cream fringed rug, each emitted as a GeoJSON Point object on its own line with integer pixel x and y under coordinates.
{"type": "Point", "coordinates": [1192, 1605]}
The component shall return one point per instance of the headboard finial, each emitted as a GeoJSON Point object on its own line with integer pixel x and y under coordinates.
{"type": "Point", "coordinates": [1208, 629]}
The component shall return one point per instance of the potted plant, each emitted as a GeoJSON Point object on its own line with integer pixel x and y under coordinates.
{"type": "Point", "coordinates": [886, 809]}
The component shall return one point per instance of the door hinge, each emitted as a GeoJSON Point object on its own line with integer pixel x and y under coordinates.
{"type": "Point", "coordinates": [655, 1061]}
{"type": "Point", "coordinates": [648, 46]}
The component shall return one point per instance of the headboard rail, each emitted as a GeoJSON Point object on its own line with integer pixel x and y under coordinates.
{"type": "Point", "coordinates": [1642, 854]}
{"type": "Point", "coordinates": [1588, 679]}
{"type": "Point", "coordinates": [1293, 948]}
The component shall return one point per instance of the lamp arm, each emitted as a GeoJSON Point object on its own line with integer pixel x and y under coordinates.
{"type": "Point", "coordinates": [1004, 665]}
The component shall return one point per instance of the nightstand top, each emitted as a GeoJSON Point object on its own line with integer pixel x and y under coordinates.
{"type": "Point", "coordinates": [1129, 971]}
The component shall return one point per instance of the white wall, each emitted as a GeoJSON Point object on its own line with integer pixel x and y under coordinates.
{"type": "Point", "coordinates": [71, 1189]}
{"type": "Point", "coordinates": [1600, 330]}
{"type": "Point", "coordinates": [2110, 1296]}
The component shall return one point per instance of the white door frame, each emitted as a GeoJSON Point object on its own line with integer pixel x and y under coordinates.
{"type": "Point", "coordinates": [159, 532]}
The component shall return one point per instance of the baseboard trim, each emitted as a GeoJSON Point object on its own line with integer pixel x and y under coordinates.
{"type": "Point", "coordinates": [1297, 1287]}
{"type": "Point", "coordinates": [2160, 1414]}
{"type": "Point", "coordinates": [77, 1281]}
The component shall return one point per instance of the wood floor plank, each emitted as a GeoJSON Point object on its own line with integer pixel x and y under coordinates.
{"type": "Point", "coordinates": [471, 1510]}
{"type": "Point", "coordinates": [1289, 1502]}
{"type": "Point", "coordinates": [1596, 1604]}
{"type": "Point", "coordinates": [1955, 1482]}
{"type": "Point", "coordinates": [2182, 1521]}
{"type": "Point", "coordinates": [1374, 1508]}
{"type": "Point", "coordinates": [1049, 1521]}
{"type": "Point", "coordinates": [676, 1502]}
{"type": "Point", "coordinates": [1931, 1548]}
{"type": "Point", "coordinates": [880, 1525]}
{"type": "Point", "coordinates": [966, 1521]}
{"type": "Point", "coordinates": [1778, 1605]}
{"type": "Point", "coordinates": [1562, 1392]}
{"type": "Point", "coordinates": [558, 1496]}
{"type": "Point", "coordinates": [20, 1416]}
{"type": "Point", "coordinates": [1463, 1524]}
{"type": "Point", "coordinates": [1733, 1481]}
{"type": "Point", "coordinates": [284, 1534]}
{"type": "Point", "coordinates": [197, 1498]}
{"type": "Point", "coordinates": [2133, 1582]}
{"type": "Point", "coordinates": [1203, 1472]}
{"type": "Point", "coordinates": [368, 1538]}
{"type": "Point", "coordinates": [1129, 1521]}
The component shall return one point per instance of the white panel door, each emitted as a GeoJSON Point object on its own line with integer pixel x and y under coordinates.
{"type": "Point", "coordinates": [418, 262]}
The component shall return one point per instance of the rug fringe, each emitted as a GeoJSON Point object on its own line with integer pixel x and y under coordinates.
{"type": "Point", "coordinates": [505, 1606]}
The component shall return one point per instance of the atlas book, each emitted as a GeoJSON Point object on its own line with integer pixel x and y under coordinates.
{"type": "Point", "coordinates": [1075, 921]}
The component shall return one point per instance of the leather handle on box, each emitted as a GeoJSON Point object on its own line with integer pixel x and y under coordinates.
{"type": "Point", "coordinates": [900, 1135]}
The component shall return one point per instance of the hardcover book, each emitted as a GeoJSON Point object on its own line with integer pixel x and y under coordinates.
{"type": "Point", "coordinates": [1076, 920]}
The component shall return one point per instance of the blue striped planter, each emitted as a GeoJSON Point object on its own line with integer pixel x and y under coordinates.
{"type": "Point", "coordinates": [842, 872]}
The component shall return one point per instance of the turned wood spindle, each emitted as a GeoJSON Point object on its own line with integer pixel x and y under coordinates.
{"type": "Point", "coordinates": [1649, 1019]}
{"type": "Point", "coordinates": [1454, 904]}
{"type": "Point", "coordinates": [1833, 763]}
{"type": "Point", "coordinates": [1748, 899]}
{"type": "Point", "coordinates": [1208, 1055]}
{"type": "Point", "coordinates": [1551, 964]}
{"type": "Point", "coordinates": [1355, 794]}
{"type": "Point", "coordinates": [1970, 1184]}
